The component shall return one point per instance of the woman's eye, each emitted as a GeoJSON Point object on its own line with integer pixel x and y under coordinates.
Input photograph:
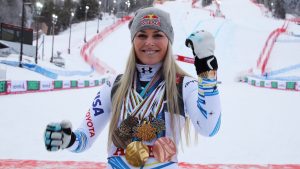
{"type": "Point", "coordinates": [142, 36]}
{"type": "Point", "coordinates": [158, 35]}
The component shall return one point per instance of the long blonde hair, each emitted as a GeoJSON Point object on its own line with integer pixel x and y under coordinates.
{"type": "Point", "coordinates": [169, 69]}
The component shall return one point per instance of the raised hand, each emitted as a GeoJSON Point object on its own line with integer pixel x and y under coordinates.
{"type": "Point", "coordinates": [202, 44]}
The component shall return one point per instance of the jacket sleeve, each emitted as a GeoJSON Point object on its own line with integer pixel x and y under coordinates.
{"type": "Point", "coordinates": [202, 105]}
{"type": "Point", "coordinates": [95, 119]}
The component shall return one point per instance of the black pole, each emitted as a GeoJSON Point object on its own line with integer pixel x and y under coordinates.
{"type": "Point", "coordinates": [51, 60]}
{"type": "Point", "coordinates": [69, 49]}
{"type": "Point", "coordinates": [85, 26]}
{"type": "Point", "coordinates": [107, 6]}
{"type": "Point", "coordinates": [43, 47]}
{"type": "Point", "coordinates": [37, 42]}
{"type": "Point", "coordinates": [22, 30]}
{"type": "Point", "coordinates": [98, 23]}
{"type": "Point", "coordinates": [54, 20]}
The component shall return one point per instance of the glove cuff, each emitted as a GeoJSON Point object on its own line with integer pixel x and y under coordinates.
{"type": "Point", "coordinates": [72, 141]}
{"type": "Point", "coordinates": [206, 64]}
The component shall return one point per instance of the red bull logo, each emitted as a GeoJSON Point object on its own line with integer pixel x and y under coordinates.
{"type": "Point", "coordinates": [150, 19]}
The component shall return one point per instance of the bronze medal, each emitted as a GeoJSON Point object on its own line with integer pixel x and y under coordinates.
{"type": "Point", "coordinates": [125, 131]}
{"type": "Point", "coordinates": [164, 149]}
{"type": "Point", "coordinates": [122, 136]}
{"type": "Point", "coordinates": [120, 141]}
{"type": "Point", "coordinates": [131, 121]}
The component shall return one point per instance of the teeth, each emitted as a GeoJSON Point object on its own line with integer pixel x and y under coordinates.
{"type": "Point", "coordinates": [149, 52]}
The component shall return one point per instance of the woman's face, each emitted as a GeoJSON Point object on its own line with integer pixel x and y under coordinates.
{"type": "Point", "coordinates": [150, 46]}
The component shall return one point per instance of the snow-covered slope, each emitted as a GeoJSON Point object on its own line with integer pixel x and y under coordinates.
{"type": "Point", "coordinates": [258, 126]}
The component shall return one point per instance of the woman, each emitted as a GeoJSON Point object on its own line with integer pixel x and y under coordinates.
{"type": "Point", "coordinates": [151, 102]}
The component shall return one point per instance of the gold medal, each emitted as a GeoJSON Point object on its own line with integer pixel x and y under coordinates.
{"type": "Point", "coordinates": [137, 153]}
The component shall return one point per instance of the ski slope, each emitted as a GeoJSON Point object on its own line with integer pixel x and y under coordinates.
{"type": "Point", "coordinates": [259, 126]}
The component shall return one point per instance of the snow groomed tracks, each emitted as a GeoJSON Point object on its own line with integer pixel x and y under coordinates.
{"type": "Point", "coordinates": [266, 79]}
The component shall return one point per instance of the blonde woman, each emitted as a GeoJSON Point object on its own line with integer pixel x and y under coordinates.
{"type": "Point", "coordinates": [149, 105]}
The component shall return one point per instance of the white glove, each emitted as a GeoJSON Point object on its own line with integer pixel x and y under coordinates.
{"type": "Point", "coordinates": [58, 136]}
{"type": "Point", "coordinates": [202, 44]}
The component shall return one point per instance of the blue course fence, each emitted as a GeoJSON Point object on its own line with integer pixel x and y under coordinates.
{"type": "Point", "coordinates": [50, 73]}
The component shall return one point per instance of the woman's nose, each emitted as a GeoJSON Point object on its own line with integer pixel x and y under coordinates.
{"type": "Point", "coordinates": [149, 41]}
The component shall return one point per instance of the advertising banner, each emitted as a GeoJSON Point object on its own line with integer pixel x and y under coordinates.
{"type": "Point", "coordinates": [86, 83]}
{"type": "Point", "coordinates": [46, 85]}
{"type": "Point", "coordinates": [257, 82]}
{"type": "Point", "coordinates": [66, 84]}
{"type": "Point", "coordinates": [249, 80]}
{"type": "Point", "coordinates": [291, 85]}
{"type": "Point", "coordinates": [297, 86]}
{"type": "Point", "coordinates": [18, 86]}
{"type": "Point", "coordinates": [274, 85]}
{"type": "Point", "coordinates": [73, 83]}
{"type": "Point", "coordinates": [33, 85]}
{"type": "Point", "coordinates": [281, 85]}
{"type": "Point", "coordinates": [2, 87]}
{"type": "Point", "coordinates": [92, 83]}
{"type": "Point", "coordinates": [80, 83]}
{"type": "Point", "coordinates": [58, 84]}
{"type": "Point", "coordinates": [96, 82]}
{"type": "Point", "coordinates": [268, 84]}
{"type": "Point", "coordinates": [253, 82]}
{"type": "Point", "coordinates": [262, 83]}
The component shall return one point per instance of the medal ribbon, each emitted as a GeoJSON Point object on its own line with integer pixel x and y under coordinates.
{"type": "Point", "coordinates": [136, 105]}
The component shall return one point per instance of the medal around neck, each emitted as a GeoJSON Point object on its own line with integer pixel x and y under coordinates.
{"type": "Point", "coordinates": [131, 121]}
{"type": "Point", "coordinates": [122, 135]}
{"type": "Point", "coordinates": [137, 153]}
{"type": "Point", "coordinates": [164, 149]}
{"type": "Point", "coordinates": [145, 132]}
{"type": "Point", "coordinates": [120, 141]}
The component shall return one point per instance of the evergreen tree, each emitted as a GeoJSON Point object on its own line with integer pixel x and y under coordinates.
{"type": "Point", "coordinates": [268, 4]}
{"type": "Point", "coordinates": [94, 9]}
{"type": "Point", "coordinates": [206, 2]}
{"type": "Point", "coordinates": [92, 12]}
{"type": "Point", "coordinates": [49, 8]}
{"type": "Point", "coordinates": [297, 9]}
{"type": "Point", "coordinates": [65, 14]}
{"type": "Point", "coordinates": [80, 13]}
{"type": "Point", "coordinates": [260, 1]}
{"type": "Point", "coordinates": [292, 4]}
{"type": "Point", "coordinates": [279, 11]}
